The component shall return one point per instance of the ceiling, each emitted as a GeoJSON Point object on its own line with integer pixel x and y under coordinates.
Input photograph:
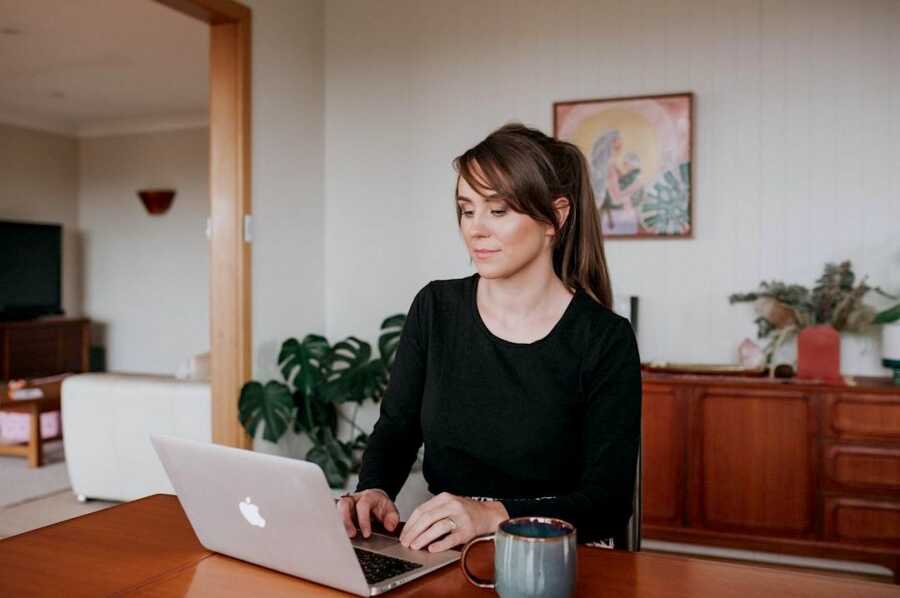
{"type": "Point", "coordinates": [89, 67]}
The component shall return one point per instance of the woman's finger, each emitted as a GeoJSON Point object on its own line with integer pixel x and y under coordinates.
{"type": "Point", "coordinates": [392, 520]}
{"type": "Point", "coordinates": [439, 528]}
{"type": "Point", "coordinates": [424, 521]}
{"type": "Point", "coordinates": [411, 522]}
{"type": "Point", "coordinates": [345, 508]}
{"type": "Point", "coordinates": [363, 515]}
{"type": "Point", "coordinates": [454, 539]}
{"type": "Point", "coordinates": [420, 511]}
{"type": "Point", "coordinates": [387, 514]}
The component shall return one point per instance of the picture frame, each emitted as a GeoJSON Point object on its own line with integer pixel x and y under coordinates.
{"type": "Point", "coordinates": [639, 151]}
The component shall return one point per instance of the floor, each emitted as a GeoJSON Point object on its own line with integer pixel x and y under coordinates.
{"type": "Point", "coordinates": [32, 498]}
{"type": "Point", "coordinates": [19, 482]}
{"type": "Point", "coordinates": [53, 508]}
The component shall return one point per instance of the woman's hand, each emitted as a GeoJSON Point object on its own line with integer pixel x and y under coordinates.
{"type": "Point", "coordinates": [358, 509]}
{"type": "Point", "coordinates": [461, 518]}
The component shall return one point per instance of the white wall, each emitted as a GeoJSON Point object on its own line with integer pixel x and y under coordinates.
{"type": "Point", "coordinates": [146, 278]}
{"type": "Point", "coordinates": [797, 147]}
{"type": "Point", "coordinates": [288, 202]}
{"type": "Point", "coordinates": [39, 183]}
{"type": "Point", "coordinates": [288, 166]}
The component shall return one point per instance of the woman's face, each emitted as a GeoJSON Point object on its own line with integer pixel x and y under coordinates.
{"type": "Point", "coordinates": [501, 242]}
{"type": "Point", "coordinates": [617, 143]}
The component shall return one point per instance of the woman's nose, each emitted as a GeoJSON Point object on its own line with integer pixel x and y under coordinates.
{"type": "Point", "coordinates": [478, 226]}
{"type": "Point", "coordinates": [478, 231]}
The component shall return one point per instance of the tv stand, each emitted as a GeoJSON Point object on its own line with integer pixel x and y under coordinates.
{"type": "Point", "coordinates": [44, 347]}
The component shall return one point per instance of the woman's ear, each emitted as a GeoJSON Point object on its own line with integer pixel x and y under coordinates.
{"type": "Point", "coordinates": [561, 206]}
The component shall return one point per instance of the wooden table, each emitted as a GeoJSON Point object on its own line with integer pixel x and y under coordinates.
{"type": "Point", "coordinates": [33, 450]}
{"type": "Point", "coordinates": [147, 548]}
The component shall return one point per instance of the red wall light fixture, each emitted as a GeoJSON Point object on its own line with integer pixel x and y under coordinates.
{"type": "Point", "coordinates": [157, 201]}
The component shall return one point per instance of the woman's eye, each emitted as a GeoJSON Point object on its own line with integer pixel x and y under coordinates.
{"type": "Point", "coordinates": [469, 213]}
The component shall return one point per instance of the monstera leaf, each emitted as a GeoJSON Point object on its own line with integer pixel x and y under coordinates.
{"type": "Point", "coordinates": [352, 375]}
{"type": "Point", "coordinates": [301, 363]}
{"type": "Point", "coordinates": [270, 404]}
{"type": "Point", "coordinates": [666, 208]}
{"type": "Point", "coordinates": [313, 412]}
{"type": "Point", "coordinates": [334, 457]}
{"type": "Point", "coordinates": [317, 378]}
{"type": "Point", "coordinates": [390, 338]}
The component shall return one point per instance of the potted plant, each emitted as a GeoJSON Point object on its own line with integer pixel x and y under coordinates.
{"type": "Point", "coordinates": [316, 379]}
{"type": "Point", "coordinates": [835, 304]}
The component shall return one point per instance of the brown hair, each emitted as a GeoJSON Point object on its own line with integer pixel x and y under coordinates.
{"type": "Point", "coordinates": [530, 170]}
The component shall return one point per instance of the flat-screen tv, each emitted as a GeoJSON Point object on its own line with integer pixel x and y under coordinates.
{"type": "Point", "coordinates": [30, 270]}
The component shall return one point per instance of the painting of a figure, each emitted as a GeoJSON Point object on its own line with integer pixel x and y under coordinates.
{"type": "Point", "coordinates": [639, 154]}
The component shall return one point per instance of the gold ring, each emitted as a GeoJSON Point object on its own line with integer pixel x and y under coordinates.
{"type": "Point", "coordinates": [451, 522]}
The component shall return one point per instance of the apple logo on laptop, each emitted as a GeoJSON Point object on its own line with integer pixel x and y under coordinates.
{"type": "Point", "coordinates": [251, 513]}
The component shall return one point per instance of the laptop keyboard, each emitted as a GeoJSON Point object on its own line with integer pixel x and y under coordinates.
{"type": "Point", "coordinates": [378, 567]}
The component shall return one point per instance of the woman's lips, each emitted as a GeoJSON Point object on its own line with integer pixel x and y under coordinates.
{"type": "Point", "coordinates": [484, 253]}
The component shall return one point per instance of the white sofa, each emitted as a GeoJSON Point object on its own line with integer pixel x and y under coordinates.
{"type": "Point", "coordinates": [107, 422]}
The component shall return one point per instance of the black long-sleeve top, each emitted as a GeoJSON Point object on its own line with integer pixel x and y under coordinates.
{"type": "Point", "coordinates": [551, 428]}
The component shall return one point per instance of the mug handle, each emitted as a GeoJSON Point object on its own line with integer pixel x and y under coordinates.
{"type": "Point", "coordinates": [472, 578]}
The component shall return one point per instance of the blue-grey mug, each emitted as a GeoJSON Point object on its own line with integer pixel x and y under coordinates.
{"type": "Point", "coordinates": [533, 556]}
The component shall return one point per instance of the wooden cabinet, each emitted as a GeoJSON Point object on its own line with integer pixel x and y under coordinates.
{"type": "Point", "coordinates": [755, 442]}
{"type": "Point", "coordinates": [44, 347]}
{"type": "Point", "coordinates": [850, 468]}
{"type": "Point", "coordinates": [858, 521]}
{"type": "Point", "coordinates": [783, 466]}
{"type": "Point", "coordinates": [863, 416]}
{"type": "Point", "coordinates": [664, 459]}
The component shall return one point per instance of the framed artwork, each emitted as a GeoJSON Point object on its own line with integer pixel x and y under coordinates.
{"type": "Point", "coordinates": [640, 154]}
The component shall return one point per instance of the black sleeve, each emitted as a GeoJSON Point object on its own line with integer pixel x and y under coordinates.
{"type": "Point", "coordinates": [602, 503]}
{"type": "Point", "coordinates": [397, 435]}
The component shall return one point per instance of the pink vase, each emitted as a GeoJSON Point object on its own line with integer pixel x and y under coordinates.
{"type": "Point", "coordinates": [819, 353]}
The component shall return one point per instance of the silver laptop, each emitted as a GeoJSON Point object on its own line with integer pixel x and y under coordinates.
{"type": "Point", "coordinates": [279, 513]}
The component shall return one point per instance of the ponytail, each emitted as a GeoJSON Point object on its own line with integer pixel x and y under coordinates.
{"type": "Point", "coordinates": [578, 256]}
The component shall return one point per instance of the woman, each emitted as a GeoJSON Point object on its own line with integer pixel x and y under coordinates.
{"type": "Point", "coordinates": [522, 383]}
{"type": "Point", "coordinates": [613, 187]}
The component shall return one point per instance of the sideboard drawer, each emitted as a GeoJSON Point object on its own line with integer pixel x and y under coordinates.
{"type": "Point", "coordinates": [863, 468]}
{"type": "Point", "coordinates": [862, 521]}
{"type": "Point", "coordinates": [863, 416]}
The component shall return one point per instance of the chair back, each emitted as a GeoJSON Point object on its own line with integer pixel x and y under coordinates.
{"type": "Point", "coordinates": [630, 538]}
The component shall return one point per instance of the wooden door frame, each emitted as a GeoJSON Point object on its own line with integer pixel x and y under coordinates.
{"type": "Point", "coordinates": [229, 188]}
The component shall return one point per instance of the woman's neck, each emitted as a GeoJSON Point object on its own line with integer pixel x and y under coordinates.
{"type": "Point", "coordinates": [533, 292]}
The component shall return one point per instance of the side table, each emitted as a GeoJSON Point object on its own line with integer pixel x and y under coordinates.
{"type": "Point", "coordinates": [33, 450]}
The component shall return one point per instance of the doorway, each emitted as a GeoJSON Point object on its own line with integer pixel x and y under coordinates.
{"type": "Point", "coordinates": [230, 208]}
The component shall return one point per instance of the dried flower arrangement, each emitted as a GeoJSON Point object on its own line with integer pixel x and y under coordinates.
{"type": "Point", "coordinates": [836, 299]}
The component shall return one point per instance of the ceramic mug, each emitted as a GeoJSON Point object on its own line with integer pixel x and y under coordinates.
{"type": "Point", "coordinates": [533, 556]}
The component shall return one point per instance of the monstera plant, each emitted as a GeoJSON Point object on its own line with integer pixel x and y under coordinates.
{"type": "Point", "coordinates": [316, 379]}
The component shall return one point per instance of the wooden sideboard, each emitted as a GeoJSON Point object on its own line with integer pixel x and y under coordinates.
{"type": "Point", "coordinates": [791, 466]}
{"type": "Point", "coordinates": [43, 347]}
